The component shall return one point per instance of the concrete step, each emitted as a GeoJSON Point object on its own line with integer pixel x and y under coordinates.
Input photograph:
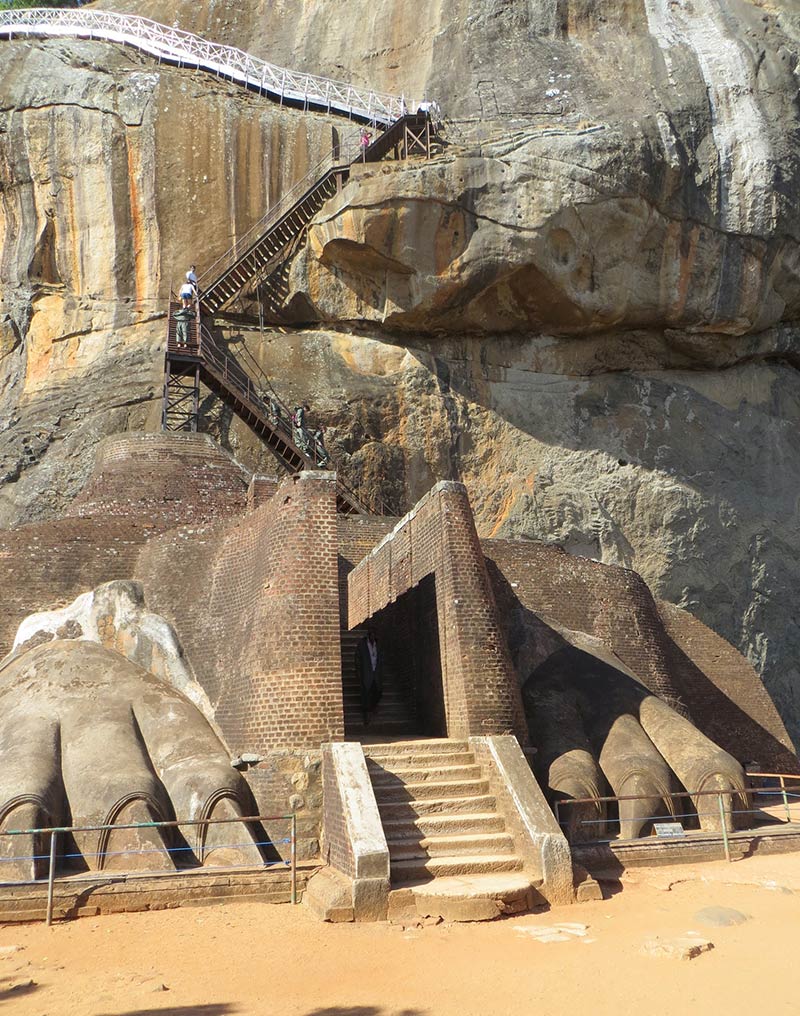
{"type": "Point", "coordinates": [404, 810]}
{"type": "Point", "coordinates": [444, 825]}
{"type": "Point", "coordinates": [485, 844]}
{"type": "Point", "coordinates": [442, 867]}
{"type": "Point", "coordinates": [382, 777]}
{"type": "Point", "coordinates": [425, 760]}
{"type": "Point", "coordinates": [431, 789]}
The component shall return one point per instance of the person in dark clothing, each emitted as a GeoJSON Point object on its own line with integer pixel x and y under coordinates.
{"type": "Point", "coordinates": [184, 316]}
{"type": "Point", "coordinates": [370, 674]}
{"type": "Point", "coordinates": [319, 447]}
{"type": "Point", "coordinates": [299, 429]}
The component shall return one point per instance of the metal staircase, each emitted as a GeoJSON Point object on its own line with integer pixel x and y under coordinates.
{"type": "Point", "coordinates": [171, 45]}
{"type": "Point", "coordinates": [202, 359]}
{"type": "Point", "coordinates": [261, 252]}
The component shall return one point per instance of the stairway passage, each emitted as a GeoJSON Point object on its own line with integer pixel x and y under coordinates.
{"type": "Point", "coordinates": [258, 255]}
{"type": "Point", "coordinates": [202, 359]}
{"type": "Point", "coordinates": [441, 822]}
{"type": "Point", "coordinates": [395, 712]}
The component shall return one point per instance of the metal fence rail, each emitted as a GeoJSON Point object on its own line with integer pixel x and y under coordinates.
{"type": "Point", "coordinates": [188, 50]}
{"type": "Point", "coordinates": [55, 831]}
{"type": "Point", "coordinates": [784, 792]}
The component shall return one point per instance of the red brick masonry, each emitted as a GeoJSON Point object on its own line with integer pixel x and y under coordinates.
{"type": "Point", "coordinates": [438, 538]}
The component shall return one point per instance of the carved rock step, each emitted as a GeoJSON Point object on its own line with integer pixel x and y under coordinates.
{"type": "Point", "coordinates": [433, 789]}
{"type": "Point", "coordinates": [433, 744]}
{"type": "Point", "coordinates": [438, 867]}
{"type": "Point", "coordinates": [390, 763]}
{"type": "Point", "coordinates": [486, 844]}
{"type": "Point", "coordinates": [444, 825]}
{"type": "Point", "coordinates": [410, 777]}
{"type": "Point", "coordinates": [397, 810]}
{"type": "Point", "coordinates": [465, 898]}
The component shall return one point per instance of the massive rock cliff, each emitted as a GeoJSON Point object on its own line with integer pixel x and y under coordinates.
{"type": "Point", "coordinates": [584, 306]}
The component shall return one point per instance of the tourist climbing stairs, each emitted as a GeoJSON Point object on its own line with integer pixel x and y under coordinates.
{"type": "Point", "coordinates": [265, 247]}
{"type": "Point", "coordinates": [442, 822]}
{"type": "Point", "coordinates": [203, 359]}
{"type": "Point", "coordinates": [394, 715]}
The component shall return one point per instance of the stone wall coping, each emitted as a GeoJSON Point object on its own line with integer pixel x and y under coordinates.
{"type": "Point", "coordinates": [451, 486]}
{"type": "Point", "coordinates": [363, 821]}
{"type": "Point", "coordinates": [535, 820]}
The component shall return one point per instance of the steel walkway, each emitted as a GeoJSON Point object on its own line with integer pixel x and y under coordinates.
{"type": "Point", "coordinates": [203, 359]}
{"type": "Point", "coordinates": [308, 91]}
{"type": "Point", "coordinates": [262, 250]}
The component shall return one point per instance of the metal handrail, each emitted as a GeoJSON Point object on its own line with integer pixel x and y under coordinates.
{"type": "Point", "coordinates": [276, 412]}
{"type": "Point", "coordinates": [345, 154]}
{"type": "Point", "coordinates": [55, 831]}
{"type": "Point", "coordinates": [742, 792]}
{"type": "Point", "coordinates": [187, 49]}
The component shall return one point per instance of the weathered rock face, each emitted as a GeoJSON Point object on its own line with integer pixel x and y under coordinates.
{"type": "Point", "coordinates": [584, 306]}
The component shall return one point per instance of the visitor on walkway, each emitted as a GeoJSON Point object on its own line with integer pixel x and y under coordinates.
{"type": "Point", "coordinates": [321, 451]}
{"type": "Point", "coordinates": [364, 142]}
{"type": "Point", "coordinates": [300, 432]}
{"type": "Point", "coordinates": [370, 674]}
{"type": "Point", "coordinates": [184, 315]}
{"type": "Point", "coordinates": [187, 292]}
{"type": "Point", "coordinates": [191, 276]}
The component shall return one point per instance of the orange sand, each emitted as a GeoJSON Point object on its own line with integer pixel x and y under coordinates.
{"type": "Point", "coordinates": [258, 959]}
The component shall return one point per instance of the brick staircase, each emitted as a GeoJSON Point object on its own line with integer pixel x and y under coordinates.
{"type": "Point", "coordinates": [450, 851]}
{"type": "Point", "coordinates": [394, 716]}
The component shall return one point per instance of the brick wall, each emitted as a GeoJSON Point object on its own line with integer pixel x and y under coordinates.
{"type": "Point", "coordinates": [724, 693]}
{"type": "Point", "coordinates": [169, 479]}
{"type": "Point", "coordinates": [613, 604]}
{"type": "Point", "coordinates": [255, 603]}
{"type": "Point", "coordinates": [260, 490]}
{"type": "Point", "coordinates": [49, 564]}
{"type": "Point", "coordinates": [438, 538]}
{"type": "Point", "coordinates": [672, 653]}
{"type": "Point", "coordinates": [142, 484]}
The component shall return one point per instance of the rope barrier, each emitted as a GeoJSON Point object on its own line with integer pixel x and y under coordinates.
{"type": "Point", "coordinates": [55, 831]}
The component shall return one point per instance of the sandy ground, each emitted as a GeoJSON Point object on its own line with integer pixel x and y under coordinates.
{"type": "Point", "coordinates": [260, 959]}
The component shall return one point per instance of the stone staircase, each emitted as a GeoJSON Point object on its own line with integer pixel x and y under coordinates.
{"type": "Point", "coordinates": [394, 716]}
{"type": "Point", "coordinates": [451, 855]}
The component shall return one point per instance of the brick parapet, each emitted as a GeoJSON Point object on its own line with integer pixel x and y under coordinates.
{"type": "Point", "coordinates": [438, 537]}
{"type": "Point", "coordinates": [169, 479]}
{"type": "Point", "coordinates": [48, 564]}
{"type": "Point", "coordinates": [610, 603]}
{"type": "Point", "coordinates": [336, 847]}
{"type": "Point", "coordinates": [668, 650]}
{"type": "Point", "coordinates": [260, 490]}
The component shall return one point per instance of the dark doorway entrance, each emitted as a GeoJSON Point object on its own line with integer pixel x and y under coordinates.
{"type": "Point", "coordinates": [413, 698]}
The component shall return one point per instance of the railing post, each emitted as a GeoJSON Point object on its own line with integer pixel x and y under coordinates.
{"type": "Point", "coordinates": [785, 800]}
{"type": "Point", "coordinates": [724, 828]}
{"type": "Point", "coordinates": [294, 857]}
{"type": "Point", "coordinates": [51, 874]}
